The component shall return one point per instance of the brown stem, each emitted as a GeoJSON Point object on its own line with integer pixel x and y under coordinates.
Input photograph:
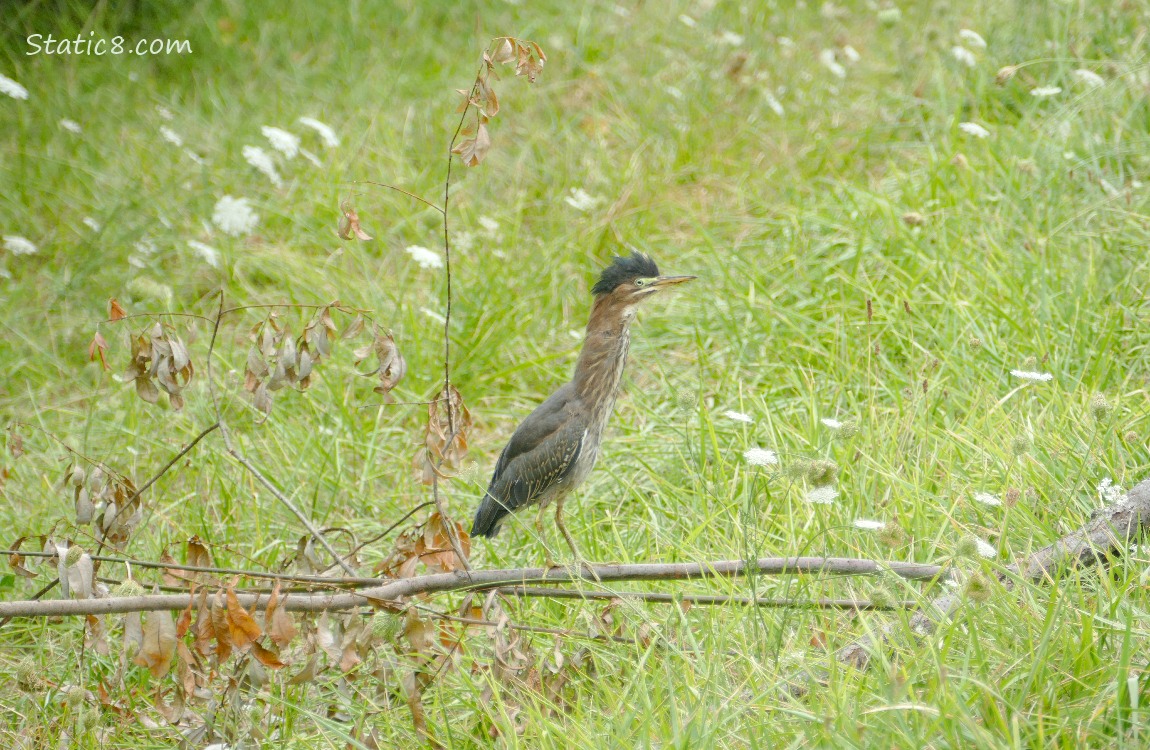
{"type": "Point", "coordinates": [389, 592]}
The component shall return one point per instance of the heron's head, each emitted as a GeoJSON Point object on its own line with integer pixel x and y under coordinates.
{"type": "Point", "coordinates": [631, 279]}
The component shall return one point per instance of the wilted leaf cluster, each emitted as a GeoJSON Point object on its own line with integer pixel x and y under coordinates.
{"type": "Point", "coordinates": [528, 58]}
{"type": "Point", "coordinates": [110, 502]}
{"type": "Point", "coordinates": [428, 543]}
{"type": "Point", "coordinates": [159, 359]}
{"type": "Point", "coordinates": [445, 438]}
{"type": "Point", "coordinates": [277, 358]}
{"type": "Point", "coordinates": [390, 364]}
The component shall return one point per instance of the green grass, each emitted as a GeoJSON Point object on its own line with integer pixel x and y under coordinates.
{"type": "Point", "coordinates": [1032, 242]}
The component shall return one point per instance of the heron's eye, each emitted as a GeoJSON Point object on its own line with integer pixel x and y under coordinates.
{"type": "Point", "coordinates": [640, 282]}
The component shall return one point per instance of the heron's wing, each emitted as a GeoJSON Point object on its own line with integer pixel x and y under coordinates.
{"type": "Point", "coordinates": [541, 453]}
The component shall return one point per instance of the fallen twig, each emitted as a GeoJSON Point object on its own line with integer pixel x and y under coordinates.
{"type": "Point", "coordinates": [702, 599]}
{"type": "Point", "coordinates": [1111, 530]}
{"type": "Point", "coordinates": [389, 593]}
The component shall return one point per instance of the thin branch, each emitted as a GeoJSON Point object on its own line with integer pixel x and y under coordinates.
{"type": "Point", "coordinates": [204, 318]}
{"type": "Point", "coordinates": [702, 599]}
{"type": "Point", "coordinates": [243, 460]}
{"type": "Point", "coordinates": [424, 201]}
{"type": "Point", "coordinates": [390, 593]}
{"type": "Point", "coordinates": [183, 452]}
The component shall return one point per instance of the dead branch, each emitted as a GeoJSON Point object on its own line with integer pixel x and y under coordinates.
{"type": "Point", "coordinates": [390, 593]}
{"type": "Point", "coordinates": [701, 599]}
{"type": "Point", "coordinates": [1111, 530]}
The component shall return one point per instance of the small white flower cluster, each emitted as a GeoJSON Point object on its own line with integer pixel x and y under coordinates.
{"type": "Point", "coordinates": [822, 495]}
{"type": "Point", "coordinates": [11, 88]}
{"type": "Point", "coordinates": [18, 245]}
{"type": "Point", "coordinates": [1108, 492]}
{"type": "Point", "coordinates": [71, 126]}
{"type": "Point", "coordinates": [264, 162]}
{"type": "Point", "coordinates": [868, 524]}
{"type": "Point", "coordinates": [330, 139]}
{"type": "Point", "coordinates": [829, 60]}
{"type": "Point", "coordinates": [974, 129]}
{"type": "Point", "coordinates": [987, 499]}
{"type": "Point", "coordinates": [209, 254]}
{"type": "Point", "coordinates": [1040, 377]}
{"type": "Point", "coordinates": [964, 56]}
{"type": "Point", "coordinates": [985, 548]}
{"type": "Point", "coordinates": [738, 416]}
{"type": "Point", "coordinates": [1043, 92]}
{"type": "Point", "coordinates": [234, 216]}
{"type": "Point", "coordinates": [761, 457]}
{"type": "Point", "coordinates": [171, 136]}
{"type": "Point", "coordinates": [832, 424]}
{"type": "Point", "coordinates": [1088, 78]}
{"type": "Point", "coordinates": [281, 140]}
{"type": "Point", "coordinates": [581, 200]}
{"type": "Point", "coordinates": [424, 257]}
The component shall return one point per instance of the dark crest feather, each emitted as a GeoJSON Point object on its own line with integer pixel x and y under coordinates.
{"type": "Point", "coordinates": [636, 265]}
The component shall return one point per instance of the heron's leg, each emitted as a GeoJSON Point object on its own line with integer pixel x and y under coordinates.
{"type": "Point", "coordinates": [567, 536]}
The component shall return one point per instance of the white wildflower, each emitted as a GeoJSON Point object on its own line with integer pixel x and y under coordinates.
{"type": "Point", "coordinates": [738, 416]}
{"type": "Point", "coordinates": [18, 245]}
{"type": "Point", "coordinates": [437, 317]}
{"type": "Point", "coordinates": [234, 216]}
{"type": "Point", "coordinates": [262, 161]}
{"type": "Point", "coordinates": [91, 223]}
{"type": "Point", "coordinates": [831, 424]}
{"type": "Point", "coordinates": [688, 21]}
{"type": "Point", "coordinates": [491, 226]}
{"type": "Point", "coordinates": [1044, 91]}
{"type": "Point", "coordinates": [822, 495]}
{"type": "Point", "coordinates": [760, 457]}
{"type": "Point", "coordinates": [330, 139]}
{"type": "Point", "coordinates": [1108, 188]}
{"type": "Point", "coordinates": [210, 255]}
{"type": "Point", "coordinates": [145, 249]}
{"type": "Point", "coordinates": [71, 126]}
{"type": "Point", "coordinates": [676, 93]}
{"type": "Point", "coordinates": [775, 105]}
{"type": "Point", "coordinates": [973, 38]}
{"type": "Point", "coordinates": [1089, 78]}
{"type": "Point", "coordinates": [1108, 492]}
{"type": "Point", "coordinates": [163, 112]}
{"type": "Point", "coordinates": [974, 129]}
{"type": "Point", "coordinates": [1029, 375]}
{"type": "Point", "coordinates": [283, 141]}
{"type": "Point", "coordinates": [424, 257]}
{"type": "Point", "coordinates": [851, 54]}
{"type": "Point", "coordinates": [985, 548]}
{"type": "Point", "coordinates": [731, 38]}
{"type": "Point", "coordinates": [11, 88]}
{"type": "Point", "coordinates": [827, 58]}
{"type": "Point", "coordinates": [868, 524]}
{"type": "Point", "coordinates": [171, 136]}
{"type": "Point", "coordinates": [964, 56]}
{"type": "Point", "coordinates": [463, 242]}
{"type": "Point", "coordinates": [987, 499]}
{"type": "Point", "coordinates": [577, 335]}
{"type": "Point", "coordinates": [194, 157]}
{"type": "Point", "coordinates": [581, 200]}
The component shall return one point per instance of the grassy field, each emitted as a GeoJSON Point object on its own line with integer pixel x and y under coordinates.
{"type": "Point", "coordinates": [882, 233]}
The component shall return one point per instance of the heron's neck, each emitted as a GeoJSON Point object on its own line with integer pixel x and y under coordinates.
{"type": "Point", "coordinates": [600, 364]}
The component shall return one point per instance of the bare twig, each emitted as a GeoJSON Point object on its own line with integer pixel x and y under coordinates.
{"type": "Point", "coordinates": [235, 453]}
{"type": "Point", "coordinates": [424, 201]}
{"type": "Point", "coordinates": [701, 599]}
{"type": "Point", "coordinates": [390, 592]}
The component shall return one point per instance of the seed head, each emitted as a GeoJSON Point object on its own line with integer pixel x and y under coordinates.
{"type": "Point", "coordinates": [1100, 408]}
{"type": "Point", "coordinates": [974, 343]}
{"type": "Point", "coordinates": [1005, 74]}
{"type": "Point", "coordinates": [978, 588]}
{"type": "Point", "coordinates": [967, 547]}
{"type": "Point", "coordinates": [1131, 437]}
{"type": "Point", "coordinates": [822, 472]}
{"type": "Point", "coordinates": [913, 219]}
{"type": "Point", "coordinates": [1020, 445]}
{"type": "Point", "coordinates": [385, 627]}
{"type": "Point", "coordinates": [798, 468]}
{"type": "Point", "coordinates": [1012, 496]}
{"type": "Point", "coordinates": [849, 429]}
{"type": "Point", "coordinates": [73, 556]}
{"type": "Point", "coordinates": [128, 588]}
{"type": "Point", "coordinates": [892, 535]}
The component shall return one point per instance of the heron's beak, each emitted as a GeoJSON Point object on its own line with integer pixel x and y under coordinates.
{"type": "Point", "coordinates": [665, 281]}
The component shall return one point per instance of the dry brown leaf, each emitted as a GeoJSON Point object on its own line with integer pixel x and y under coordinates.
{"type": "Point", "coordinates": [242, 626]}
{"type": "Point", "coordinates": [97, 349]}
{"type": "Point", "coordinates": [16, 560]}
{"type": "Point", "coordinates": [15, 444]}
{"type": "Point", "coordinates": [220, 628]}
{"type": "Point", "coordinates": [202, 630]}
{"type": "Point", "coordinates": [159, 644]}
{"type": "Point", "coordinates": [185, 675]}
{"type": "Point", "coordinates": [184, 621]}
{"type": "Point", "coordinates": [420, 633]}
{"type": "Point", "coordinates": [280, 627]}
{"type": "Point", "coordinates": [115, 312]}
{"type": "Point", "coordinates": [268, 658]}
{"type": "Point", "coordinates": [473, 151]}
{"type": "Point", "coordinates": [349, 224]}
{"type": "Point", "coordinates": [307, 674]}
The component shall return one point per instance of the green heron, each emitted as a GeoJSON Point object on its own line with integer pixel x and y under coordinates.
{"type": "Point", "coordinates": [555, 448]}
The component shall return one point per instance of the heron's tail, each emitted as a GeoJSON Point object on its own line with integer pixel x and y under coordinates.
{"type": "Point", "coordinates": [489, 517]}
